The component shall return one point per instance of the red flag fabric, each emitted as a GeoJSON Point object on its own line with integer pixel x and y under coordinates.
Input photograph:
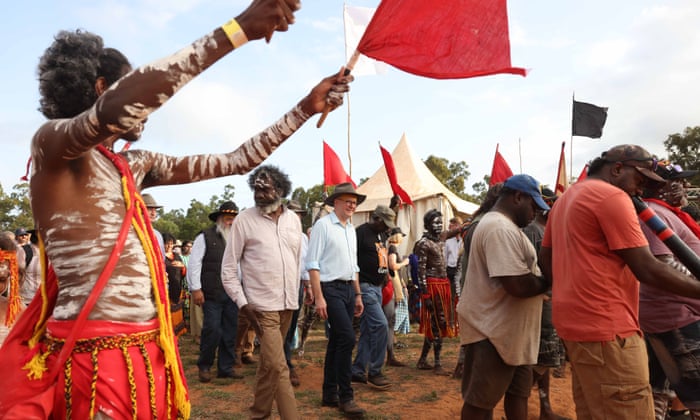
{"type": "Point", "coordinates": [500, 171]}
{"type": "Point", "coordinates": [391, 174]}
{"type": "Point", "coordinates": [583, 174]}
{"type": "Point", "coordinates": [562, 180]}
{"type": "Point", "coordinates": [441, 39]}
{"type": "Point", "coordinates": [333, 171]}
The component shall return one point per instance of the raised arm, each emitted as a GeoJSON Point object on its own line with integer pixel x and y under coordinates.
{"type": "Point", "coordinates": [123, 106]}
{"type": "Point", "coordinates": [178, 170]}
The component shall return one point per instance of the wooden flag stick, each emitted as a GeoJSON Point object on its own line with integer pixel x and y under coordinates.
{"type": "Point", "coordinates": [348, 68]}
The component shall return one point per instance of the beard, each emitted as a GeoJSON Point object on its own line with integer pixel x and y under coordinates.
{"type": "Point", "coordinates": [268, 207]}
{"type": "Point", "coordinates": [223, 229]}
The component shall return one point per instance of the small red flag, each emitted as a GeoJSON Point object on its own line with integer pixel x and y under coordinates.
{"type": "Point", "coordinates": [584, 174]}
{"type": "Point", "coordinates": [441, 39]}
{"type": "Point", "coordinates": [333, 171]}
{"type": "Point", "coordinates": [391, 174]}
{"type": "Point", "coordinates": [562, 181]}
{"type": "Point", "coordinates": [500, 171]}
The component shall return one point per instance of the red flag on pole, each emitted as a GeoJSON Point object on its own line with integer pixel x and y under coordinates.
{"type": "Point", "coordinates": [391, 174]}
{"type": "Point", "coordinates": [583, 174]}
{"type": "Point", "coordinates": [500, 171]}
{"type": "Point", "coordinates": [562, 180]}
{"type": "Point", "coordinates": [441, 40]}
{"type": "Point", "coordinates": [333, 171]}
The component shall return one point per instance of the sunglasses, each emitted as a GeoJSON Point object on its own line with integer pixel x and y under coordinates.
{"type": "Point", "coordinates": [653, 160]}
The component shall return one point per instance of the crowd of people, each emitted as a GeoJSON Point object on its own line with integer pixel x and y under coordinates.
{"type": "Point", "coordinates": [93, 300]}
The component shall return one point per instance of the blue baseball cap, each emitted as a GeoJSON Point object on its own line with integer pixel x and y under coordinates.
{"type": "Point", "coordinates": [528, 185]}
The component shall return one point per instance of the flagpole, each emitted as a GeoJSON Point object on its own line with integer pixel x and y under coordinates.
{"type": "Point", "coordinates": [348, 96]}
{"type": "Point", "coordinates": [520, 154]}
{"type": "Point", "coordinates": [571, 142]}
{"type": "Point", "coordinates": [349, 155]}
{"type": "Point", "coordinates": [345, 72]}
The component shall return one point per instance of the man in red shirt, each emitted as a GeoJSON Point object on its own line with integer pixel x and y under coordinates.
{"type": "Point", "coordinates": [594, 251]}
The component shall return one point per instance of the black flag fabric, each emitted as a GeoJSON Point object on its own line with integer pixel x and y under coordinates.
{"type": "Point", "coordinates": [588, 120]}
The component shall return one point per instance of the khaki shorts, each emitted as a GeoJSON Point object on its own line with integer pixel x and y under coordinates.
{"type": "Point", "coordinates": [611, 379]}
{"type": "Point", "coordinates": [487, 378]}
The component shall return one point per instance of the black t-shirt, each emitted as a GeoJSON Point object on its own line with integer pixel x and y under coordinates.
{"type": "Point", "coordinates": [371, 255]}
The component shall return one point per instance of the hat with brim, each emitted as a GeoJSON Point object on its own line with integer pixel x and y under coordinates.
{"type": "Point", "coordinates": [150, 202]}
{"type": "Point", "coordinates": [227, 207]}
{"type": "Point", "coordinates": [648, 173]}
{"type": "Point", "coordinates": [528, 185]}
{"type": "Point", "coordinates": [669, 171]}
{"type": "Point", "coordinates": [636, 157]}
{"type": "Point", "coordinates": [294, 206]}
{"type": "Point", "coordinates": [396, 231]}
{"type": "Point", "coordinates": [345, 188]}
{"type": "Point", "coordinates": [386, 214]}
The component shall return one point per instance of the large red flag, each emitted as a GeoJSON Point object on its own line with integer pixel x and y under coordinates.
{"type": "Point", "coordinates": [441, 39]}
{"type": "Point", "coordinates": [333, 171]}
{"type": "Point", "coordinates": [500, 171]}
{"type": "Point", "coordinates": [562, 181]}
{"type": "Point", "coordinates": [391, 174]}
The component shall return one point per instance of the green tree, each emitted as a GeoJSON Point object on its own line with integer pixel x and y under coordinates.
{"type": "Point", "coordinates": [683, 149]}
{"type": "Point", "coordinates": [454, 176]}
{"type": "Point", "coordinates": [307, 199]}
{"type": "Point", "coordinates": [15, 208]}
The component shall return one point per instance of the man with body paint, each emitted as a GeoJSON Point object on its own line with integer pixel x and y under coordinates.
{"type": "Point", "coordinates": [104, 299]}
{"type": "Point", "coordinates": [265, 243]}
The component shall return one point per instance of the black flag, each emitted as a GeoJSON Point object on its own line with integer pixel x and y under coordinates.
{"type": "Point", "coordinates": [588, 120]}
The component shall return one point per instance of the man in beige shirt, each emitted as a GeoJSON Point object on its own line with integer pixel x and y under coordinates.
{"type": "Point", "coordinates": [266, 243]}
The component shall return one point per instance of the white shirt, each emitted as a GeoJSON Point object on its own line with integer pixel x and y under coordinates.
{"type": "Point", "coordinates": [269, 255]}
{"type": "Point", "coordinates": [452, 248]}
{"type": "Point", "coordinates": [194, 263]}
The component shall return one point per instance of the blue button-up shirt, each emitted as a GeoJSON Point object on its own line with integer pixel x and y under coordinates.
{"type": "Point", "coordinates": [333, 249]}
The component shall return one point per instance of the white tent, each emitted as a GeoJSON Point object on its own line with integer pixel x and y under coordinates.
{"type": "Point", "coordinates": [426, 191]}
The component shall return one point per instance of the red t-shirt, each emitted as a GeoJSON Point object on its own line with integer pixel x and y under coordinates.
{"type": "Point", "coordinates": [595, 296]}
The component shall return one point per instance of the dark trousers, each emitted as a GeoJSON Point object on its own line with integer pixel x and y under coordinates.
{"type": "Point", "coordinates": [340, 304]}
{"type": "Point", "coordinates": [218, 333]}
{"type": "Point", "coordinates": [678, 353]}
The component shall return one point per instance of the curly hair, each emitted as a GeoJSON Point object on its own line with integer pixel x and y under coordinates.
{"type": "Point", "coordinates": [69, 69]}
{"type": "Point", "coordinates": [282, 183]}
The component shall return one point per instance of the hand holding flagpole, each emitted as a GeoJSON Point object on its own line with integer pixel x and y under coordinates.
{"type": "Point", "coordinates": [343, 72]}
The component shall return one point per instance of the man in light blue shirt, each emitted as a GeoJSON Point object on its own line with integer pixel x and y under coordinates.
{"type": "Point", "coordinates": [333, 271]}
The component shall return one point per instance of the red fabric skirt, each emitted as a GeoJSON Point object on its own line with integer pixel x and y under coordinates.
{"type": "Point", "coordinates": [442, 315]}
{"type": "Point", "coordinates": [127, 375]}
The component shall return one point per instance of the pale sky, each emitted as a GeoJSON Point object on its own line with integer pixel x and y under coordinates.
{"type": "Point", "coordinates": [639, 58]}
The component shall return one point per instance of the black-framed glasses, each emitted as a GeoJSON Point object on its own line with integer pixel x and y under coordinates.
{"type": "Point", "coordinates": [351, 203]}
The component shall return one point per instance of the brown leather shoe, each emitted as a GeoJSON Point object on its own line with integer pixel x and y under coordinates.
{"type": "Point", "coordinates": [352, 410]}
{"type": "Point", "coordinates": [247, 359]}
{"type": "Point", "coordinates": [294, 378]}
{"type": "Point", "coordinates": [204, 375]}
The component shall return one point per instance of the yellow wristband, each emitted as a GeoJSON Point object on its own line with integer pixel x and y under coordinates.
{"type": "Point", "coordinates": [235, 33]}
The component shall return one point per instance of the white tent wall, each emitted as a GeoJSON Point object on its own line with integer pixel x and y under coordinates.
{"type": "Point", "coordinates": [426, 191]}
{"type": "Point", "coordinates": [410, 219]}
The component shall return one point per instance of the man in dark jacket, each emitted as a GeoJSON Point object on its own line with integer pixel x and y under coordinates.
{"type": "Point", "coordinates": [220, 313]}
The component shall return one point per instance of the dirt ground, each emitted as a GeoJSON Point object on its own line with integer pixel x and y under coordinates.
{"type": "Point", "coordinates": [415, 394]}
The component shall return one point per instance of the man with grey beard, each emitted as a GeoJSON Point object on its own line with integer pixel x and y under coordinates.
{"type": "Point", "coordinates": [220, 313]}
{"type": "Point", "coordinates": [265, 243]}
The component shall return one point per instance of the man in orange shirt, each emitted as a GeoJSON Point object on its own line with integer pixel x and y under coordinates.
{"type": "Point", "coordinates": [594, 251]}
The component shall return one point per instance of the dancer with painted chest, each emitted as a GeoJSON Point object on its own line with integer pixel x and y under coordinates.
{"type": "Point", "coordinates": [103, 316]}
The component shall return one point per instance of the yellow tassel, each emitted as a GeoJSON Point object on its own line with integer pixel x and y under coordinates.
{"type": "Point", "coordinates": [37, 365]}
{"type": "Point", "coordinates": [166, 339]}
